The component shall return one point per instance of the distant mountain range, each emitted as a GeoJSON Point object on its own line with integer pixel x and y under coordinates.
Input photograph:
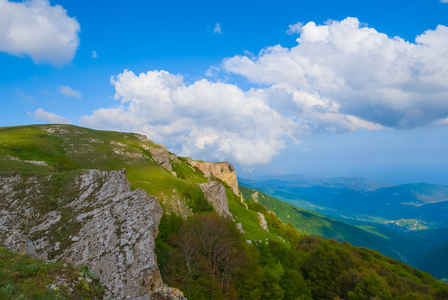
{"type": "Point", "coordinates": [408, 222]}
{"type": "Point", "coordinates": [403, 207]}
{"type": "Point", "coordinates": [300, 180]}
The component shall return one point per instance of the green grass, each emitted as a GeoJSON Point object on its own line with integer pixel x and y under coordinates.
{"type": "Point", "coordinates": [186, 172]}
{"type": "Point", "coordinates": [373, 230]}
{"type": "Point", "coordinates": [67, 147]}
{"type": "Point", "coordinates": [23, 277]}
{"type": "Point", "coordinates": [248, 220]}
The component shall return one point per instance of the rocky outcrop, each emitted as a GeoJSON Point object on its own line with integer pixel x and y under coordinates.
{"type": "Point", "coordinates": [162, 157]}
{"type": "Point", "coordinates": [96, 220]}
{"type": "Point", "coordinates": [262, 221]}
{"type": "Point", "coordinates": [158, 152]}
{"type": "Point", "coordinates": [220, 170]}
{"type": "Point", "coordinates": [239, 226]}
{"type": "Point", "coordinates": [20, 243]}
{"type": "Point", "coordinates": [215, 194]}
{"type": "Point", "coordinates": [169, 293]}
{"type": "Point", "coordinates": [254, 197]}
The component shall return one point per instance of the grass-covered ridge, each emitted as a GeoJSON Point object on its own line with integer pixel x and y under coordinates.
{"type": "Point", "coordinates": [50, 149]}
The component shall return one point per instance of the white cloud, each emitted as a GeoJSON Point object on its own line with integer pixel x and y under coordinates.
{"type": "Point", "coordinates": [214, 120]}
{"type": "Point", "coordinates": [217, 28]}
{"type": "Point", "coordinates": [94, 55]}
{"type": "Point", "coordinates": [443, 1]}
{"type": "Point", "coordinates": [67, 91]}
{"type": "Point", "coordinates": [359, 72]}
{"type": "Point", "coordinates": [295, 28]}
{"type": "Point", "coordinates": [36, 29]}
{"type": "Point", "coordinates": [341, 77]}
{"type": "Point", "coordinates": [47, 117]}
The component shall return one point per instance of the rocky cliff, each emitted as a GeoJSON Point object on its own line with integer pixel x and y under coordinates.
{"type": "Point", "coordinates": [220, 170]}
{"type": "Point", "coordinates": [85, 217]}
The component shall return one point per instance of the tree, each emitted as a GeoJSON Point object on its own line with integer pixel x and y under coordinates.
{"type": "Point", "coordinates": [371, 286]}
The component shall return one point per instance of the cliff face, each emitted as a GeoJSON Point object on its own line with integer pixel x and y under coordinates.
{"type": "Point", "coordinates": [89, 218]}
{"type": "Point", "coordinates": [215, 194]}
{"type": "Point", "coordinates": [220, 170]}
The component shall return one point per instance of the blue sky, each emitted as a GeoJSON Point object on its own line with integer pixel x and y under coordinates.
{"type": "Point", "coordinates": [347, 88]}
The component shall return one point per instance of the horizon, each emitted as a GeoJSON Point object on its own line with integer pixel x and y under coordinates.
{"type": "Point", "coordinates": [326, 89]}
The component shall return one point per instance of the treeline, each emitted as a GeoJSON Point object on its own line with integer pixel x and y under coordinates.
{"type": "Point", "coordinates": [207, 258]}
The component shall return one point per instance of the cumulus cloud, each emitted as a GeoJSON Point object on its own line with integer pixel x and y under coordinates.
{"type": "Point", "coordinates": [36, 29]}
{"type": "Point", "coordinates": [341, 77]}
{"type": "Point", "coordinates": [214, 120]}
{"type": "Point", "coordinates": [357, 71]}
{"type": "Point", "coordinates": [47, 117]}
{"type": "Point", "coordinates": [67, 91]}
{"type": "Point", "coordinates": [217, 28]}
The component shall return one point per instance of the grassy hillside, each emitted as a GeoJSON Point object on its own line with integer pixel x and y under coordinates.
{"type": "Point", "coordinates": [66, 147]}
{"type": "Point", "coordinates": [315, 223]}
{"type": "Point", "coordinates": [206, 256]}
{"type": "Point", "coordinates": [425, 249]}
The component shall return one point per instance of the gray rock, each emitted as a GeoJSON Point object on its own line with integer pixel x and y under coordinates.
{"type": "Point", "coordinates": [240, 227]}
{"type": "Point", "coordinates": [162, 157]}
{"type": "Point", "coordinates": [262, 221]}
{"type": "Point", "coordinates": [20, 243]}
{"type": "Point", "coordinates": [215, 194]}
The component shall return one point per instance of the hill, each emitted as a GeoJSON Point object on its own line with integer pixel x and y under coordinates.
{"type": "Point", "coordinates": [94, 197]}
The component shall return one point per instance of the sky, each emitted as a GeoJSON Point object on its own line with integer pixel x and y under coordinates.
{"type": "Point", "coordinates": [323, 88]}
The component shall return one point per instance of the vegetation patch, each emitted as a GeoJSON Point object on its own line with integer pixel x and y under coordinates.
{"type": "Point", "coordinates": [23, 277]}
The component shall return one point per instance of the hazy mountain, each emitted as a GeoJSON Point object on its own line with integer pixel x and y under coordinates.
{"type": "Point", "coordinates": [407, 207]}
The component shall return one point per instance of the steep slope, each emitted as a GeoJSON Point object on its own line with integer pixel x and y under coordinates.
{"type": "Point", "coordinates": [65, 188]}
{"type": "Point", "coordinates": [425, 249]}
{"type": "Point", "coordinates": [315, 223]}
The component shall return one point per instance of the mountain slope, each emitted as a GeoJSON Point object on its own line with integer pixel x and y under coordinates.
{"type": "Point", "coordinates": [315, 223]}
{"type": "Point", "coordinates": [211, 243]}
{"type": "Point", "coordinates": [425, 249]}
{"type": "Point", "coordinates": [406, 206]}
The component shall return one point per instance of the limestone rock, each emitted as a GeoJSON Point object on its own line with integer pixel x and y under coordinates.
{"type": "Point", "coordinates": [240, 227]}
{"type": "Point", "coordinates": [162, 157]}
{"type": "Point", "coordinates": [215, 194]}
{"type": "Point", "coordinates": [262, 221]}
{"type": "Point", "coordinates": [103, 225]}
{"type": "Point", "coordinates": [159, 153]}
{"type": "Point", "coordinates": [254, 196]}
{"type": "Point", "coordinates": [20, 243]}
{"type": "Point", "coordinates": [220, 170]}
{"type": "Point", "coordinates": [169, 293]}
